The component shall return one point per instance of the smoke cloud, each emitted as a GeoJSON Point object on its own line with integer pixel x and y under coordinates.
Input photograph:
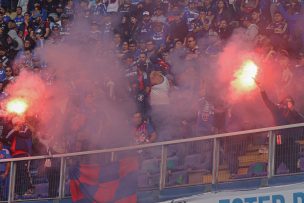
{"type": "Point", "coordinates": [80, 96]}
{"type": "Point", "coordinates": [86, 98]}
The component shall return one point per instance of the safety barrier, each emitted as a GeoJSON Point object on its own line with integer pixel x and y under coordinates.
{"type": "Point", "coordinates": [212, 159]}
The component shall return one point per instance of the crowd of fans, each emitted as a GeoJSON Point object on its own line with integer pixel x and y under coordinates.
{"type": "Point", "coordinates": [152, 39]}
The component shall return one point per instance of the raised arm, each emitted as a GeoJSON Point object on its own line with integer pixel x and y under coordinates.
{"type": "Point", "coordinates": [270, 105]}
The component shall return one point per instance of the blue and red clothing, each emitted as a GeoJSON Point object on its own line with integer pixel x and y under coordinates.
{"type": "Point", "coordinates": [143, 132]}
{"type": "Point", "coordinates": [4, 182]}
{"type": "Point", "coordinates": [21, 141]}
{"type": "Point", "coordinates": [4, 154]}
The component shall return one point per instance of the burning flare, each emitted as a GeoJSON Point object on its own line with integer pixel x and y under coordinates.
{"type": "Point", "coordinates": [245, 77]}
{"type": "Point", "coordinates": [17, 106]}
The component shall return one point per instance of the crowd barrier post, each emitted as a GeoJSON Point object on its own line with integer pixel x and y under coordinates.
{"type": "Point", "coordinates": [271, 154]}
{"type": "Point", "coordinates": [62, 177]}
{"type": "Point", "coordinates": [12, 179]}
{"type": "Point", "coordinates": [215, 162]}
{"type": "Point", "coordinates": [163, 167]}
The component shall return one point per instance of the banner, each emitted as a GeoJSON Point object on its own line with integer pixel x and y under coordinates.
{"type": "Point", "coordinates": [279, 194]}
{"type": "Point", "coordinates": [115, 182]}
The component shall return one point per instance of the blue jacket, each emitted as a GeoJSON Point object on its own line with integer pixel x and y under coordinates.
{"type": "Point", "coordinates": [2, 75]}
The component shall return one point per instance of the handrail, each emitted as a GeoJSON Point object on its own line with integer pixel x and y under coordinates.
{"type": "Point", "coordinates": [157, 144]}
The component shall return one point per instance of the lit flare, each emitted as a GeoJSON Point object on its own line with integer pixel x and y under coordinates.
{"type": "Point", "coordinates": [245, 77]}
{"type": "Point", "coordinates": [17, 105]}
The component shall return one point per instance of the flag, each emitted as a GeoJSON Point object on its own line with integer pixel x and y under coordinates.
{"type": "Point", "coordinates": [115, 182]}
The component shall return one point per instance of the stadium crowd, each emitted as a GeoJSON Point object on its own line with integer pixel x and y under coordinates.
{"type": "Point", "coordinates": [152, 40]}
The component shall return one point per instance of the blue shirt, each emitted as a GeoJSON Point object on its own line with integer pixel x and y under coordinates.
{"type": "Point", "coordinates": [159, 38]}
{"type": "Point", "coordinates": [19, 21]}
{"type": "Point", "coordinates": [2, 75]}
{"type": "Point", "coordinates": [4, 154]}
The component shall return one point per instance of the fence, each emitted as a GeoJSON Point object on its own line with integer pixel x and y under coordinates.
{"type": "Point", "coordinates": [213, 159]}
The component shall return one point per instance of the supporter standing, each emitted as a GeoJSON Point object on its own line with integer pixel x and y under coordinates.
{"type": "Point", "coordinates": [144, 131]}
{"type": "Point", "coordinates": [286, 147]}
{"type": "Point", "coordinates": [193, 51]}
{"type": "Point", "coordinates": [178, 26]}
{"type": "Point", "coordinates": [2, 73]}
{"type": "Point", "coordinates": [190, 14]}
{"type": "Point", "coordinates": [295, 20]}
{"type": "Point", "coordinates": [204, 126]}
{"type": "Point", "coordinates": [9, 75]}
{"type": "Point", "coordinates": [277, 31]}
{"type": "Point", "coordinates": [19, 19]}
{"type": "Point", "coordinates": [201, 25]}
{"type": "Point", "coordinates": [4, 172]}
{"type": "Point", "coordinates": [252, 30]}
{"type": "Point", "coordinates": [145, 27]}
{"type": "Point", "coordinates": [258, 19]}
{"type": "Point", "coordinates": [20, 139]}
{"type": "Point", "coordinates": [52, 170]}
{"type": "Point", "coordinates": [160, 104]}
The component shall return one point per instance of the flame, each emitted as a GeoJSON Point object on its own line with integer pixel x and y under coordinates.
{"type": "Point", "coordinates": [17, 106]}
{"type": "Point", "coordinates": [245, 77]}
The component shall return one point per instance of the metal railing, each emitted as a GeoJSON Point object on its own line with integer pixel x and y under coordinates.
{"type": "Point", "coordinates": [216, 173]}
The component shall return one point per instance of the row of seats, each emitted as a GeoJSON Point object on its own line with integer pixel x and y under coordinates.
{"type": "Point", "coordinates": [179, 172]}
